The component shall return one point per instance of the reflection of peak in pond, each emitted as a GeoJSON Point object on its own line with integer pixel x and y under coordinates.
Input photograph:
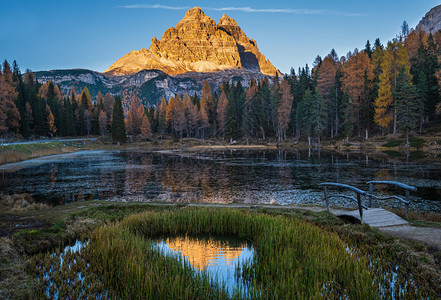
{"type": "Point", "coordinates": [204, 252]}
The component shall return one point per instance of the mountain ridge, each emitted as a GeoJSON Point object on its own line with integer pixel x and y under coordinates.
{"type": "Point", "coordinates": [431, 22]}
{"type": "Point", "coordinates": [150, 84]}
{"type": "Point", "coordinates": [197, 44]}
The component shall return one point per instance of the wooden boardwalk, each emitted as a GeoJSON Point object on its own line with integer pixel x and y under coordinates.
{"type": "Point", "coordinates": [374, 217]}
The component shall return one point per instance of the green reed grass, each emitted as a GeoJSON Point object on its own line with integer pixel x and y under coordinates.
{"type": "Point", "coordinates": [294, 259]}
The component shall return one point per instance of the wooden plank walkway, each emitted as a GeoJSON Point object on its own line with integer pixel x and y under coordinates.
{"type": "Point", "coordinates": [374, 217]}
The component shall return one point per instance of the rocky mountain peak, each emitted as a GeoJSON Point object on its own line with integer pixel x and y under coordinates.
{"type": "Point", "coordinates": [194, 13]}
{"type": "Point", "coordinates": [431, 22]}
{"type": "Point", "coordinates": [197, 44]}
{"type": "Point", "coordinates": [226, 20]}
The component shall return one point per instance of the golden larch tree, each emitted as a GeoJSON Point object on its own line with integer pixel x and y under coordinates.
{"type": "Point", "coordinates": [9, 114]}
{"type": "Point", "coordinates": [191, 114]}
{"type": "Point", "coordinates": [355, 69]}
{"type": "Point", "coordinates": [169, 112]}
{"type": "Point", "coordinates": [179, 120]}
{"type": "Point", "coordinates": [50, 120]}
{"type": "Point", "coordinates": [146, 131]}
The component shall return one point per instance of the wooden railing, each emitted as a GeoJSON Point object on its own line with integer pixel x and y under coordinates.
{"type": "Point", "coordinates": [357, 191]}
{"type": "Point", "coordinates": [406, 187]}
{"type": "Point", "coordinates": [370, 194]}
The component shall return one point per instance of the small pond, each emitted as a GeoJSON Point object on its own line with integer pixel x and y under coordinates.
{"type": "Point", "coordinates": [217, 257]}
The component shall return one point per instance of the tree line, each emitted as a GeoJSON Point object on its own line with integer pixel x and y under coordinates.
{"type": "Point", "coordinates": [381, 89]}
{"type": "Point", "coordinates": [28, 108]}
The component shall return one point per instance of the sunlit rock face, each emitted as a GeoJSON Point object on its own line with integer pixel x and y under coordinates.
{"type": "Point", "coordinates": [431, 22]}
{"type": "Point", "coordinates": [197, 44]}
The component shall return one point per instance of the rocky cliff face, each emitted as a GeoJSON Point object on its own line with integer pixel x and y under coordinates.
{"type": "Point", "coordinates": [197, 44]}
{"type": "Point", "coordinates": [431, 22]}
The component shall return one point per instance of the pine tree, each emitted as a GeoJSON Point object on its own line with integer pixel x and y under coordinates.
{"type": "Point", "coordinates": [88, 121]}
{"type": "Point", "coordinates": [236, 104]}
{"type": "Point", "coordinates": [284, 109]}
{"type": "Point", "coordinates": [407, 102]}
{"type": "Point", "coordinates": [118, 125]}
{"type": "Point", "coordinates": [368, 49]}
{"type": "Point", "coordinates": [315, 109]}
{"type": "Point", "coordinates": [305, 113]}
{"type": "Point", "coordinates": [348, 115]}
{"type": "Point", "coordinates": [423, 92]}
{"type": "Point", "coordinates": [161, 116]}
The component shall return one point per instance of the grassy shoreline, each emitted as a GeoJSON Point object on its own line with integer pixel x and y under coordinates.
{"type": "Point", "coordinates": [58, 226]}
{"type": "Point", "coordinates": [391, 147]}
{"type": "Point", "coordinates": [21, 152]}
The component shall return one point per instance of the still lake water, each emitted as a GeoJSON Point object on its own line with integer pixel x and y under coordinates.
{"type": "Point", "coordinates": [218, 257]}
{"type": "Point", "coordinates": [252, 177]}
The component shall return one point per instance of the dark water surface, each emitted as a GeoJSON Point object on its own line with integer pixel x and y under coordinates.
{"type": "Point", "coordinates": [215, 177]}
{"type": "Point", "coordinates": [217, 257]}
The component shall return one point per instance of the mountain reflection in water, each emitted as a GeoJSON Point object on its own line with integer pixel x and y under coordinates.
{"type": "Point", "coordinates": [202, 253]}
{"type": "Point", "coordinates": [217, 257]}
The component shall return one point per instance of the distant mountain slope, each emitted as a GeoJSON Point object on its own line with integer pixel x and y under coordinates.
{"type": "Point", "coordinates": [431, 22]}
{"type": "Point", "coordinates": [151, 85]}
{"type": "Point", "coordinates": [197, 44]}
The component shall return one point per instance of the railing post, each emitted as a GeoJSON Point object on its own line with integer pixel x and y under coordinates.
{"type": "Point", "coordinates": [360, 208]}
{"type": "Point", "coordinates": [407, 204]}
{"type": "Point", "coordinates": [325, 189]}
{"type": "Point", "coordinates": [371, 192]}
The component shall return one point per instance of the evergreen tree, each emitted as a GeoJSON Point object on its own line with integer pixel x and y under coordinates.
{"type": "Point", "coordinates": [348, 115]}
{"type": "Point", "coordinates": [423, 92]}
{"type": "Point", "coordinates": [118, 125]}
{"type": "Point", "coordinates": [316, 111]}
{"type": "Point", "coordinates": [284, 109]}
{"type": "Point", "coordinates": [161, 116]}
{"type": "Point", "coordinates": [407, 103]}
{"type": "Point", "coordinates": [368, 49]}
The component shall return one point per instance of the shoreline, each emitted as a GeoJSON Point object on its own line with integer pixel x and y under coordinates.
{"type": "Point", "coordinates": [19, 152]}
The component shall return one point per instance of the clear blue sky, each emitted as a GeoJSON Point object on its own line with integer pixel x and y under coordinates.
{"type": "Point", "coordinates": [45, 35]}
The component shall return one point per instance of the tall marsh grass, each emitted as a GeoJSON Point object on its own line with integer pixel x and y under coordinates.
{"type": "Point", "coordinates": [294, 259]}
